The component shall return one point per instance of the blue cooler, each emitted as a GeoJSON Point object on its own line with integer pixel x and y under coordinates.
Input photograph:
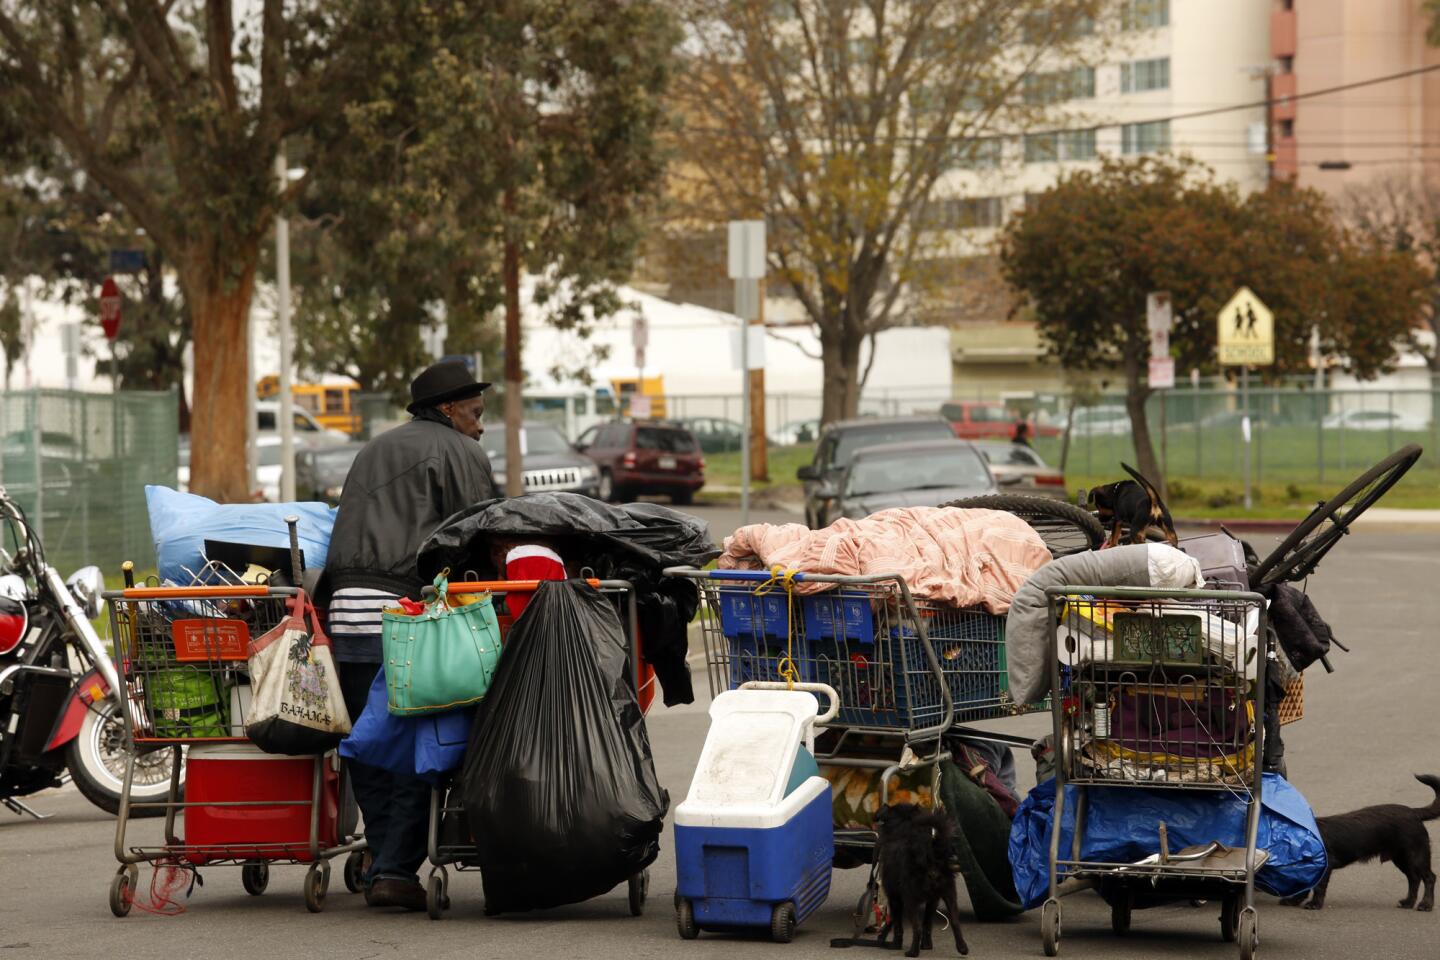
{"type": "Point", "coordinates": [753, 841]}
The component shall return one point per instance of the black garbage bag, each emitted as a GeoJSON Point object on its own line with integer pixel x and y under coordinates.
{"type": "Point", "coordinates": [559, 783]}
{"type": "Point", "coordinates": [634, 542]}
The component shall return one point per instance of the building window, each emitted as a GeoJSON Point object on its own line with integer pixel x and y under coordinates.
{"type": "Point", "coordinates": [1141, 75]}
{"type": "Point", "coordinates": [1287, 64]}
{"type": "Point", "coordinates": [1039, 27]}
{"type": "Point", "coordinates": [981, 154]}
{"type": "Point", "coordinates": [1145, 137]}
{"type": "Point", "coordinates": [1287, 128]}
{"type": "Point", "coordinates": [1077, 83]}
{"type": "Point", "coordinates": [962, 214]}
{"type": "Point", "coordinates": [1145, 14]}
{"type": "Point", "coordinates": [1060, 145]}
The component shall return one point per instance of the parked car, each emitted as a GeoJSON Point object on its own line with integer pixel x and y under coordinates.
{"type": "Point", "coordinates": [646, 456]}
{"type": "Point", "coordinates": [320, 473]}
{"type": "Point", "coordinates": [1019, 469]}
{"type": "Point", "coordinates": [550, 463]}
{"type": "Point", "coordinates": [308, 431]}
{"type": "Point", "coordinates": [1374, 420]}
{"type": "Point", "coordinates": [1111, 419]}
{"type": "Point", "coordinates": [715, 434]}
{"type": "Point", "coordinates": [840, 440]}
{"type": "Point", "coordinates": [906, 475]}
{"type": "Point", "coordinates": [979, 419]}
{"type": "Point", "coordinates": [797, 432]}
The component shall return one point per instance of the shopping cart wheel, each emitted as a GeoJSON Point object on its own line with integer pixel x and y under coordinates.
{"type": "Point", "coordinates": [354, 881]}
{"type": "Point", "coordinates": [1249, 934]}
{"type": "Point", "coordinates": [638, 888]}
{"type": "Point", "coordinates": [1120, 913]}
{"type": "Point", "coordinates": [864, 910]}
{"type": "Point", "coordinates": [1050, 927]}
{"type": "Point", "coordinates": [122, 889]}
{"type": "Point", "coordinates": [317, 880]}
{"type": "Point", "coordinates": [782, 923]}
{"type": "Point", "coordinates": [685, 920]}
{"type": "Point", "coordinates": [255, 877]}
{"type": "Point", "coordinates": [437, 894]}
{"type": "Point", "coordinates": [1230, 918]}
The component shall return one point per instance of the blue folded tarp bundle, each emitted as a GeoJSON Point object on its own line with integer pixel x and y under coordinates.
{"type": "Point", "coordinates": [180, 523]}
{"type": "Point", "coordinates": [426, 747]}
{"type": "Point", "coordinates": [1122, 826]}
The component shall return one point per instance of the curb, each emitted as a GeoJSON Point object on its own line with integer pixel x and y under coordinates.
{"type": "Point", "coordinates": [1240, 523]}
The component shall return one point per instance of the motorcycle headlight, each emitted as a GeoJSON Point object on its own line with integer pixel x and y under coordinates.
{"type": "Point", "coordinates": [86, 585]}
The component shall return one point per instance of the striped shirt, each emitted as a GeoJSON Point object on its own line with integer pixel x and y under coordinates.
{"type": "Point", "coordinates": [355, 623]}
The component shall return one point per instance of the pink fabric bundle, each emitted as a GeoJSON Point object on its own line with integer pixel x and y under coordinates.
{"type": "Point", "coordinates": [965, 558]}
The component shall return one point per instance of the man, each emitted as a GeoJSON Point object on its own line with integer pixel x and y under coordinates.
{"type": "Point", "coordinates": [404, 484]}
{"type": "Point", "coordinates": [1022, 432]}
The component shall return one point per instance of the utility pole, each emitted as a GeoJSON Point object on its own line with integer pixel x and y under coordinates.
{"type": "Point", "coordinates": [759, 462]}
{"type": "Point", "coordinates": [287, 392]}
{"type": "Point", "coordinates": [1269, 125]}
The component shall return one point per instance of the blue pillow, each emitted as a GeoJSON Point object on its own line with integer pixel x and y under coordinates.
{"type": "Point", "coordinates": [180, 523]}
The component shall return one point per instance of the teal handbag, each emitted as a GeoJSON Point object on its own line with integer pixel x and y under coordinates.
{"type": "Point", "coordinates": [442, 659]}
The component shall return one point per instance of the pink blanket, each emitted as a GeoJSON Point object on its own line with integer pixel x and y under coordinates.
{"type": "Point", "coordinates": [965, 558]}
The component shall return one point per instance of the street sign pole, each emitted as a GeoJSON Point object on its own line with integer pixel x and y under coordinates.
{"type": "Point", "coordinates": [287, 393]}
{"type": "Point", "coordinates": [747, 268]}
{"type": "Point", "coordinates": [1245, 427]}
{"type": "Point", "coordinates": [1245, 337]}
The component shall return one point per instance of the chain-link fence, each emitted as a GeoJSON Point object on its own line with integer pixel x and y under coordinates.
{"type": "Point", "coordinates": [78, 463]}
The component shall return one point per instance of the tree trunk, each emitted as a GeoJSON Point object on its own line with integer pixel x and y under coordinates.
{"type": "Point", "coordinates": [1136, 394]}
{"type": "Point", "coordinates": [217, 436]}
{"type": "Point", "coordinates": [840, 364]}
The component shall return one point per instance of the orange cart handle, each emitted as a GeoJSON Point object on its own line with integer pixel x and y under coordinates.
{"type": "Point", "coordinates": [504, 586]}
{"type": "Point", "coordinates": [204, 593]}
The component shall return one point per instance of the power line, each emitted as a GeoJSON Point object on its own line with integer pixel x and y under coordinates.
{"type": "Point", "coordinates": [1188, 115]}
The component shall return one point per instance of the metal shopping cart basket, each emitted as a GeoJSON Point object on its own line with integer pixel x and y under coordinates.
{"type": "Point", "coordinates": [450, 843]}
{"type": "Point", "coordinates": [182, 654]}
{"type": "Point", "coordinates": [1161, 690]}
{"type": "Point", "coordinates": [908, 670]}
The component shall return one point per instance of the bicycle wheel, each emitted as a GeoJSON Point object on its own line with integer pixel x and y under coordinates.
{"type": "Point", "coordinates": [1064, 527]}
{"type": "Point", "coordinates": [1312, 538]}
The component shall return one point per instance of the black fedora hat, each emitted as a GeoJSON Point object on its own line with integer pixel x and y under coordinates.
{"type": "Point", "coordinates": [442, 382]}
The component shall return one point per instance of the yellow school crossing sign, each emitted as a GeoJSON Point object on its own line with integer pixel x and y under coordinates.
{"type": "Point", "coordinates": [1246, 332]}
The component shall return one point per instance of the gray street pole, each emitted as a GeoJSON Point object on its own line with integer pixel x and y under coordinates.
{"type": "Point", "coordinates": [1245, 428]}
{"type": "Point", "coordinates": [287, 397]}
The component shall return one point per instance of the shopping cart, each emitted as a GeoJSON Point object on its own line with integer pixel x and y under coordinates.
{"type": "Point", "coordinates": [182, 654]}
{"type": "Point", "coordinates": [450, 843]}
{"type": "Point", "coordinates": [909, 671]}
{"type": "Point", "coordinates": [1161, 690]}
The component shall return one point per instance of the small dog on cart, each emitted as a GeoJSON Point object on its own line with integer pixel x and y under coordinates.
{"type": "Point", "coordinates": [913, 847]}
{"type": "Point", "coordinates": [1134, 505]}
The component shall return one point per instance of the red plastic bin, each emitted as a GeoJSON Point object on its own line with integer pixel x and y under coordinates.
{"type": "Point", "coordinates": [223, 773]}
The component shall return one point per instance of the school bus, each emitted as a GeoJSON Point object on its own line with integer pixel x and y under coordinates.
{"type": "Point", "coordinates": [653, 387]}
{"type": "Point", "coordinates": [330, 402]}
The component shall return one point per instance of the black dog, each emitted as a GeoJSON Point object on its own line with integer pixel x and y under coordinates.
{"type": "Point", "coordinates": [1388, 831]}
{"type": "Point", "coordinates": [914, 851]}
{"type": "Point", "coordinates": [1135, 504]}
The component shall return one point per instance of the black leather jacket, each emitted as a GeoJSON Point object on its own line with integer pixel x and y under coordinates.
{"type": "Point", "coordinates": [404, 484]}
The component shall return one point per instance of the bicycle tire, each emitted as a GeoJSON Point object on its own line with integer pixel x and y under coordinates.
{"type": "Point", "coordinates": [1064, 527]}
{"type": "Point", "coordinates": [1301, 551]}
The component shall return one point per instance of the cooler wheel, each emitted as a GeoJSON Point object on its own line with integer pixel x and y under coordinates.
{"type": "Point", "coordinates": [782, 923]}
{"type": "Point", "coordinates": [685, 920]}
{"type": "Point", "coordinates": [255, 877]}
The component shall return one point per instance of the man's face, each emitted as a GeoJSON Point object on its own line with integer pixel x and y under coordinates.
{"type": "Point", "coordinates": [466, 414]}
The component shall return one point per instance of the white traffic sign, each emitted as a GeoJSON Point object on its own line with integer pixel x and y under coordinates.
{"type": "Point", "coordinates": [1158, 311]}
{"type": "Point", "coordinates": [640, 331]}
{"type": "Point", "coordinates": [1162, 373]}
{"type": "Point", "coordinates": [747, 249]}
{"type": "Point", "coordinates": [1245, 332]}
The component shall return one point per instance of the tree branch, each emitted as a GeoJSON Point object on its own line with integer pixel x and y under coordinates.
{"type": "Point", "coordinates": [219, 39]}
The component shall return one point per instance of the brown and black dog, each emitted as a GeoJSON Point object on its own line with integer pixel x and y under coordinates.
{"type": "Point", "coordinates": [1133, 504]}
{"type": "Point", "coordinates": [1388, 831]}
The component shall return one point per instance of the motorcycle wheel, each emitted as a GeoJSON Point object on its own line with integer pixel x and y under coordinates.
{"type": "Point", "coordinates": [96, 761]}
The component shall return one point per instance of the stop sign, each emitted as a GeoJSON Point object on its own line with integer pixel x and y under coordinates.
{"type": "Point", "coordinates": [110, 301]}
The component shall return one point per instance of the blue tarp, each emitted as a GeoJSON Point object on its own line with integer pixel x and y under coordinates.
{"type": "Point", "coordinates": [1121, 826]}
{"type": "Point", "coordinates": [424, 747]}
{"type": "Point", "coordinates": [180, 523]}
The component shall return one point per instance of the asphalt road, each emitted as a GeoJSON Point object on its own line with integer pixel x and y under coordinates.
{"type": "Point", "coordinates": [1368, 728]}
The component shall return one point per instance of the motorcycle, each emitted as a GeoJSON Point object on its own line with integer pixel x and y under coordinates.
{"type": "Point", "coordinates": [60, 696]}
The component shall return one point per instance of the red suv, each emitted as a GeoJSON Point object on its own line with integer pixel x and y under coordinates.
{"type": "Point", "coordinates": [646, 457]}
{"type": "Point", "coordinates": [982, 420]}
